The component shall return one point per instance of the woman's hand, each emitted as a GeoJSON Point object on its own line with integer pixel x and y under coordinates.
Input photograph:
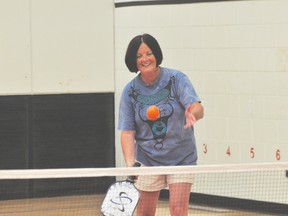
{"type": "Point", "coordinates": [193, 113]}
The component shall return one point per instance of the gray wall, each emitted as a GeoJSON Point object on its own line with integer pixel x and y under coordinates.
{"type": "Point", "coordinates": [235, 53]}
{"type": "Point", "coordinates": [56, 89]}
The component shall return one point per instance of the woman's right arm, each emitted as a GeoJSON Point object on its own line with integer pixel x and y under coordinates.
{"type": "Point", "coordinates": [128, 147]}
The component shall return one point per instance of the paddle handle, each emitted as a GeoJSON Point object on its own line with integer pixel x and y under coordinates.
{"type": "Point", "coordinates": [132, 178]}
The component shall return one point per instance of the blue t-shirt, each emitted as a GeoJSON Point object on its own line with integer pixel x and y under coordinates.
{"type": "Point", "coordinates": [163, 142]}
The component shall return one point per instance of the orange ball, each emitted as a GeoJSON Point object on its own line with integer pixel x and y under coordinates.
{"type": "Point", "coordinates": [153, 113]}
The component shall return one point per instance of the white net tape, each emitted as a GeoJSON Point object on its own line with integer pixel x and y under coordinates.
{"type": "Point", "coordinates": [126, 171]}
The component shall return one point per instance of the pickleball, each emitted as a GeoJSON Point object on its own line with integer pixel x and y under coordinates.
{"type": "Point", "coordinates": [153, 113]}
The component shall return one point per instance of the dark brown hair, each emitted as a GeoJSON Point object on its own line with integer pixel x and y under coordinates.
{"type": "Point", "coordinates": [131, 52]}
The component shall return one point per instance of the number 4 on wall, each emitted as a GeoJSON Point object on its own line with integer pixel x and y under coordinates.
{"type": "Point", "coordinates": [228, 151]}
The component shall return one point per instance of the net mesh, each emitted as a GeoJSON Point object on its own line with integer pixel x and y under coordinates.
{"type": "Point", "coordinates": [243, 189]}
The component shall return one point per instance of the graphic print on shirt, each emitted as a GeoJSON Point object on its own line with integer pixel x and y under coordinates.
{"type": "Point", "coordinates": [162, 100]}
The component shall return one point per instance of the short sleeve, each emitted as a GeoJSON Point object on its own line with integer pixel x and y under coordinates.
{"type": "Point", "coordinates": [185, 90]}
{"type": "Point", "coordinates": [126, 119]}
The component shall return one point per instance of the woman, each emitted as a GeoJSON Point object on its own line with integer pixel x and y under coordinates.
{"type": "Point", "coordinates": [165, 140]}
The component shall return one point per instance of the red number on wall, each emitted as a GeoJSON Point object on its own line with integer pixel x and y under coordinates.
{"type": "Point", "coordinates": [252, 152]}
{"type": "Point", "coordinates": [228, 151]}
{"type": "Point", "coordinates": [278, 155]}
{"type": "Point", "coordinates": [205, 148]}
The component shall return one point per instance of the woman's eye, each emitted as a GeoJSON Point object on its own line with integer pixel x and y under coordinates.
{"type": "Point", "coordinates": [147, 54]}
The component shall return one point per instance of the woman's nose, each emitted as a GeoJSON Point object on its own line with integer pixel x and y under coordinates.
{"type": "Point", "coordinates": [145, 57]}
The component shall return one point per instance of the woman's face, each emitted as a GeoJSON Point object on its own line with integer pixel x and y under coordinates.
{"type": "Point", "coordinates": [146, 61]}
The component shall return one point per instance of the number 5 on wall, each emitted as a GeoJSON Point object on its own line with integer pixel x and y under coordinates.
{"type": "Point", "coordinates": [252, 152]}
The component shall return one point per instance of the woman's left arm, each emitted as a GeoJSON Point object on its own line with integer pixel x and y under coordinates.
{"type": "Point", "coordinates": [193, 113]}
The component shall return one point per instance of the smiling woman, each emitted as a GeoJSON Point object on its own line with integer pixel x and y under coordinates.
{"type": "Point", "coordinates": [158, 131]}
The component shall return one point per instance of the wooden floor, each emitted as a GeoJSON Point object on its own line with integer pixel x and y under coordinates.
{"type": "Point", "coordinates": [88, 206]}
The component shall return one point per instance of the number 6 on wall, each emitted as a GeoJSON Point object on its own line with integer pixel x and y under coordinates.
{"type": "Point", "coordinates": [278, 156]}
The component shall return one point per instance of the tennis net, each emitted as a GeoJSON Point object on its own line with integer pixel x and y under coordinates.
{"type": "Point", "coordinates": [239, 189]}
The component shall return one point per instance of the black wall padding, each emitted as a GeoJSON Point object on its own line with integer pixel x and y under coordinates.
{"type": "Point", "coordinates": [56, 131]}
{"type": "Point", "coordinates": [14, 132]}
